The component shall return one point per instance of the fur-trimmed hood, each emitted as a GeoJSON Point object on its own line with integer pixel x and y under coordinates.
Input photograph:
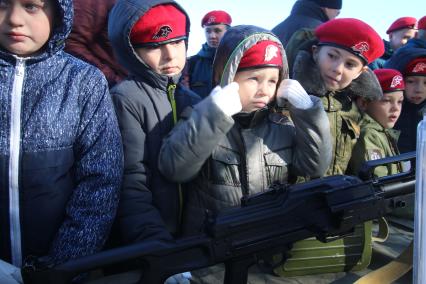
{"type": "Point", "coordinates": [306, 71]}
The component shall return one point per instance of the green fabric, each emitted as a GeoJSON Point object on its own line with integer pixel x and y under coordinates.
{"type": "Point", "coordinates": [344, 118]}
{"type": "Point", "coordinates": [375, 142]}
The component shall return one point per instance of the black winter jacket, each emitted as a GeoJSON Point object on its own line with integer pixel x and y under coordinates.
{"type": "Point", "coordinates": [304, 14]}
{"type": "Point", "coordinates": [150, 205]}
{"type": "Point", "coordinates": [200, 69]}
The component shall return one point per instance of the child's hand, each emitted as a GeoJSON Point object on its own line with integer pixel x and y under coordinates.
{"type": "Point", "coordinates": [292, 91]}
{"type": "Point", "coordinates": [227, 98]}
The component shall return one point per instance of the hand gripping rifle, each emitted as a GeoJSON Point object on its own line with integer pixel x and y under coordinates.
{"type": "Point", "coordinates": [265, 224]}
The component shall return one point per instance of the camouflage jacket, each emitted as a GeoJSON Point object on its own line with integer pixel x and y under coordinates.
{"type": "Point", "coordinates": [375, 142]}
{"type": "Point", "coordinates": [340, 107]}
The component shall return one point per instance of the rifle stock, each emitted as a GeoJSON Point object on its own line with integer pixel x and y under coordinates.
{"type": "Point", "coordinates": [265, 224]}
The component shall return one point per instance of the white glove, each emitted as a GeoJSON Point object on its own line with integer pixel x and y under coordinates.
{"type": "Point", "coordinates": [227, 98]}
{"type": "Point", "coordinates": [180, 278]}
{"type": "Point", "coordinates": [292, 91]}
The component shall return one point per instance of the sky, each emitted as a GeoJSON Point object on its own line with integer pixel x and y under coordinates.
{"type": "Point", "coordinates": [268, 13]}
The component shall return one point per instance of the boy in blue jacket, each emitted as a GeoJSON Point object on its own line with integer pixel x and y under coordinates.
{"type": "Point", "coordinates": [60, 147]}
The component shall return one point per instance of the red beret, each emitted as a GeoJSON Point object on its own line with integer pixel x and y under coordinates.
{"type": "Point", "coordinates": [416, 67]}
{"type": "Point", "coordinates": [402, 23]}
{"type": "Point", "coordinates": [422, 23]}
{"type": "Point", "coordinates": [265, 53]}
{"type": "Point", "coordinates": [215, 18]}
{"type": "Point", "coordinates": [161, 23]}
{"type": "Point", "coordinates": [390, 80]}
{"type": "Point", "coordinates": [353, 35]}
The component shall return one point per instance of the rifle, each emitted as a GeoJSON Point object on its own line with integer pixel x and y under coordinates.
{"type": "Point", "coordinates": [266, 223]}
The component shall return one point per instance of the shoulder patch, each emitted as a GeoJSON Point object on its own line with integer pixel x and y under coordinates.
{"type": "Point", "coordinates": [374, 154]}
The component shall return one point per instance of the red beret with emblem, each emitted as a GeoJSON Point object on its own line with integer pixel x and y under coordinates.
{"type": "Point", "coordinates": [265, 53]}
{"type": "Point", "coordinates": [352, 35]}
{"type": "Point", "coordinates": [390, 80]}
{"type": "Point", "coordinates": [160, 24]}
{"type": "Point", "coordinates": [402, 23]}
{"type": "Point", "coordinates": [416, 67]}
{"type": "Point", "coordinates": [422, 23]}
{"type": "Point", "coordinates": [216, 17]}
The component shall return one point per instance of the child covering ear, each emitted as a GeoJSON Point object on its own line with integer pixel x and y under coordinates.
{"type": "Point", "coordinates": [234, 144]}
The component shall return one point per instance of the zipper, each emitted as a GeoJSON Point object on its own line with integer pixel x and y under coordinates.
{"type": "Point", "coordinates": [171, 96]}
{"type": "Point", "coordinates": [15, 148]}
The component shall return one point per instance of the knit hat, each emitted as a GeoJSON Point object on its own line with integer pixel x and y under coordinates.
{"type": "Point", "coordinates": [215, 18]}
{"type": "Point", "coordinates": [422, 23]}
{"type": "Point", "coordinates": [159, 25]}
{"type": "Point", "coordinates": [352, 35]}
{"type": "Point", "coordinates": [390, 80]}
{"type": "Point", "coordinates": [416, 67]}
{"type": "Point", "coordinates": [265, 53]}
{"type": "Point", "coordinates": [332, 4]}
{"type": "Point", "coordinates": [402, 23]}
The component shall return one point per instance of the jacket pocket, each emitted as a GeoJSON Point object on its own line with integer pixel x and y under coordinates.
{"type": "Point", "coordinates": [225, 167]}
{"type": "Point", "coordinates": [277, 164]}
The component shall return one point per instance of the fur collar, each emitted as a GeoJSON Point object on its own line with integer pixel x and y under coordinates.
{"type": "Point", "coordinates": [306, 71]}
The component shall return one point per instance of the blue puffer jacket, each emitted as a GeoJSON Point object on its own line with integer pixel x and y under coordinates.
{"type": "Point", "coordinates": [200, 71]}
{"type": "Point", "coordinates": [60, 153]}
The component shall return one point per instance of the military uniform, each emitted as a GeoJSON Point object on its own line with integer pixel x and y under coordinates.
{"type": "Point", "coordinates": [375, 142]}
{"type": "Point", "coordinates": [342, 112]}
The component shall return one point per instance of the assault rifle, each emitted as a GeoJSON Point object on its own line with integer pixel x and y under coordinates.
{"type": "Point", "coordinates": [265, 224]}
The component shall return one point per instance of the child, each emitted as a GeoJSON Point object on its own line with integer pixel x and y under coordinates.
{"type": "Point", "coordinates": [400, 32]}
{"type": "Point", "coordinates": [411, 62]}
{"type": "Point", "coordinates": [233, 144]}
{"type": "Point", "coordinates": [149, 39]}
{"type": "Point", "coordinates": [333, 67]}
{"type": "Point", "coordinates": [60, 144]}
{"type": "Point", "coordinates": [378, 139]}
{"type": "Point", "coordinates": [200, 66]}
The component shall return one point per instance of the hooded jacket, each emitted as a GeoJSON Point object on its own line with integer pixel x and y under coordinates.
{"type": "Point", "coordinates": [342, 112]}
{"type": "Point", "coordinates": [60, 153]}
{"type": "Point", "coordinates": [225, 158]}
{"type": "Point", "coordinates": [304, 14]}
{"type": "Point", "coordinates": [200, 68]}
{"type": "Point", "coordinates": [411, 114]}
{"type": "Point", "coordinates": [150, 205]}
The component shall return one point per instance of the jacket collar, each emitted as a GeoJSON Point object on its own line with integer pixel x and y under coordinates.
{"type": "Point", "coordinates": [368, 122]}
